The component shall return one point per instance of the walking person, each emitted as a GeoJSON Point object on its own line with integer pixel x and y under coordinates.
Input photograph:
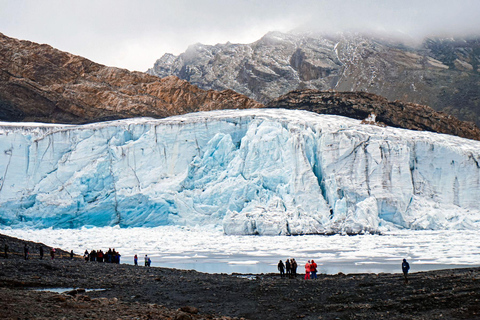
{"type": "Point", "coordinates": [146, 261]}
{"type": "Point", "coordinates": [41, 253]}
{"type": "Point", "coordinates": [313, 270]}
{"type": "Point", "coordinates": [307, 270]}
{"type": "Point", "coordinates": [281, 268]}
{"type": "Point", "coordinates": [52, 253]}
{"type": "Point", "coordinates": [405, 268]}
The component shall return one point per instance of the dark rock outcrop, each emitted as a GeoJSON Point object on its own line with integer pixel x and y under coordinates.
{"type": "Point", "coordinates": [359, 105]}
{"type": "Point", "coordinates": [42, 84]}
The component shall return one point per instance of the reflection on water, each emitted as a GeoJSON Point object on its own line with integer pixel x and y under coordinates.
{"type": "Point", "coordinates": [63, 290]}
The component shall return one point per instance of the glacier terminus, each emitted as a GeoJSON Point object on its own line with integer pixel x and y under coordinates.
{"type": "Point", "coordinates": [255, 171]}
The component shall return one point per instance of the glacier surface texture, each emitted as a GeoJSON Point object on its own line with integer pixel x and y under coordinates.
{"type": "Point", "coordinates": [264, 172]}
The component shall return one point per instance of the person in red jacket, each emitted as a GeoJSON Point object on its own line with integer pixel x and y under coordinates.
{"type": "Point", "coordinates": [313, 270]}
{"type": "Point", "coordinates": [307, 270]}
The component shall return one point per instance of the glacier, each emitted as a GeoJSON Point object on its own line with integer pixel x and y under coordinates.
{"type": "Point", "coordinates": [256, 171]}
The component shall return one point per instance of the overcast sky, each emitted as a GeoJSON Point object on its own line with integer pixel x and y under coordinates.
{"type": "Point", "coordinates": [133, 34]}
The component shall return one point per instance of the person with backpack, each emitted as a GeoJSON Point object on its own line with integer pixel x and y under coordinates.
{"type": "Point", "coordinates": [405, 268]}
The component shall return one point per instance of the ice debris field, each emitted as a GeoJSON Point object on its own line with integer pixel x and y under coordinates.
{"type": "Point", "coordinates": [247, 172]}
{"type": "Point", "coordinates": [209, 250]}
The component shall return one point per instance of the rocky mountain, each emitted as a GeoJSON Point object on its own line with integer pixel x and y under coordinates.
{"type": "Point", "coordinates": [441, 73]}
{"type": "Point", "coordinates": [360, 105]}
{"type": "Point", "coordinates": [43, 84]}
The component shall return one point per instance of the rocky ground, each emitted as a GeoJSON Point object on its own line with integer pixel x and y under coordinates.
{"type": "Point", "coordinates": [137, 292]}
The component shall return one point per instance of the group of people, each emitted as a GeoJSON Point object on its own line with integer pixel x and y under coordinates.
{"type": "Point", "coordinates": [148, 261]}
{"type": "Point", "coordinates": [26, 252]}
{"type": "Point", "coordinates": [310, 270]}
{"type": "Point", "coordinates": [111, 256]}
{"type": "Point", "coordinates": [289, 269]}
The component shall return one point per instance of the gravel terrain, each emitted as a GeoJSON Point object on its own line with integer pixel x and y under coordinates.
{"type": "Point", "coordinates": [138, 292]}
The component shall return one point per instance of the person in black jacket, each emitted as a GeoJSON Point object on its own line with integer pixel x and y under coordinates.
{"type": "Point", "coordinates": [405, 268]}
{"type": "Point", "coordinates": [288, 268]}
{"type": "Point", "coordinates": [281, 268]}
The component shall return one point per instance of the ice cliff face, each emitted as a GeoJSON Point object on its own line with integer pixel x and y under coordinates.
{"type": "Point", "coordinates": [251, 171]}
{"type": "Point", "coordinates": [440, 73]}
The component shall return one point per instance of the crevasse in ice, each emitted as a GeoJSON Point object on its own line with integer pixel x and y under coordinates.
{"type": "Point", "coordinates": [263, 172]}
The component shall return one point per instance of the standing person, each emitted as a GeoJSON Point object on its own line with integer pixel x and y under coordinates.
{"type": "Point", "coordinates": [135, 260]}
{"type": "Point", "coordinates": [405, 268]}
{"type": "Point", "coordinates": [294, 268]}
{"type": "Point", "coordinates": [52, 253]}
{"type": "Point", "coordinates": [307, 270]}
{"type": "Point", "coordinates": [146, 261]}
{"type": "Point", "coordinates": [149, 261]}
{"type": "Point", "coordinates": [25, 251]}
{"type": "Point", "coordinates": [100, 255]}
{"type": "Point", "coordinates": [85, 255]}
{"type": "Point", "coordinates": [281, 268]}
{"type": "Point", "coordinates": [6, 251]}
{"type": "Point", "coordinates": [313, 270]}
{"type": "Point", "coordinates": [41, 253]}
{"type": "Point", "coordinates": [71, 254]}
{"type": "Point", "coordinates": [288, 268]}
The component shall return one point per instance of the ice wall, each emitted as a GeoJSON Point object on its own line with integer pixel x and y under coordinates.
{"type": "Point", "coordinates": [250, 171]}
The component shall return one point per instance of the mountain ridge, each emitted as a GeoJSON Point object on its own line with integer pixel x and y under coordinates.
{"type": "Point", "coordinates": [39, 83]}
{"type": "Point", "coordinates": [43, 84]}
{"type": "Point", "coordinates": [441, 73]}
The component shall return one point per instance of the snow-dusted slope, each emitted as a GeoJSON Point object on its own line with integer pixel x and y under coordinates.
{"type": "Point", "coordinates": [441, 73]}
{"type": "Point", "coordinates": [252, 171]}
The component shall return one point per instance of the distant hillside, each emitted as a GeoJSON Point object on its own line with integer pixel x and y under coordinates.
{"type": "Point", "coordinates": [43, 84]}
{"type": "Point", "coordinates": [441, 73]}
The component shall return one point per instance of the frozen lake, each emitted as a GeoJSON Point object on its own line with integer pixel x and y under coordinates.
{"type": "Point", "coordinates": [209, 250]}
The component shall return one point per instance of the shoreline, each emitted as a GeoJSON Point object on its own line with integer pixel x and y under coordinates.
{"type": "Point", "coordinates": [162, 293]}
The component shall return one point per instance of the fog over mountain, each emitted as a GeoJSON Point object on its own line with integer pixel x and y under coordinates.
{"type": "Point", "coordinates": [133, 35]}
